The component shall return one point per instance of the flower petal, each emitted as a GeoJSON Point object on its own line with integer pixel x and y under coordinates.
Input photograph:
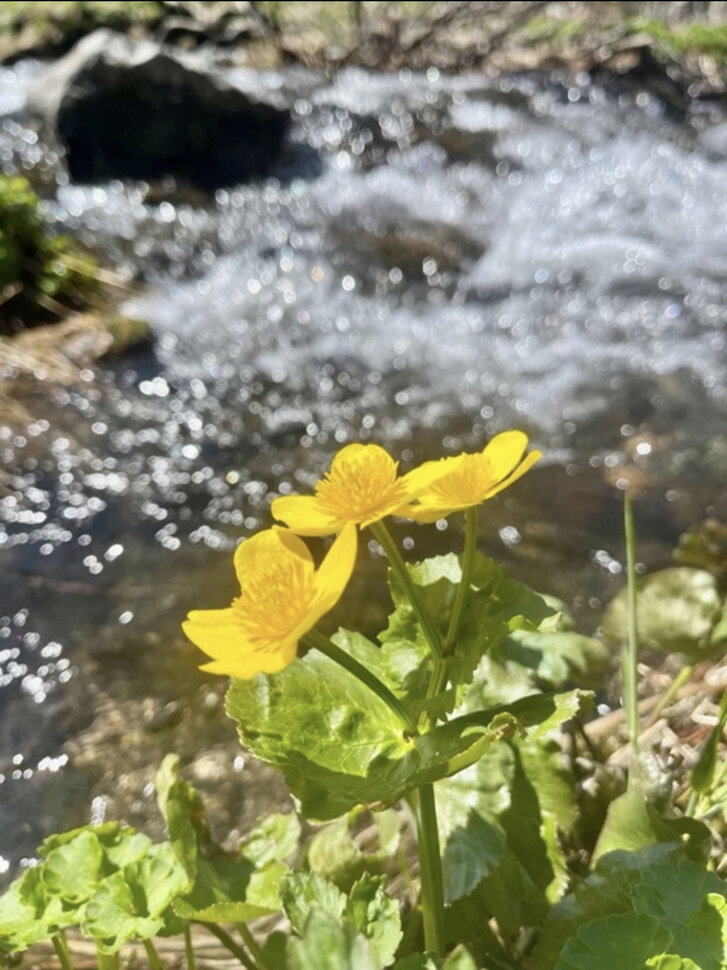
{"type": "Point", "coordinates": [246, 665]}
{"type": "Point", "coordinates": [260, 549]}
{"type": "Point", "coordinates": [526, 465]}
{"type": "Point", "coordinates": [334, 573]}
{"type": "Point", "coordinates": [419, 479]}
{"type": "Point", "coordinates": [357, 451]}
{"type": "Point", "coordinates": [426, 514]}
{"type": "Point", "coordinates": [304, 516]}
{"type": "Point", "coordinates": [214, 631]}
{"type": "Point", "coordinates": [504, 452]}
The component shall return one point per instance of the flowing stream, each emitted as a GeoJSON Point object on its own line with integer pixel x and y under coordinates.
{"type": "Point", "coordinates": [436, 259]}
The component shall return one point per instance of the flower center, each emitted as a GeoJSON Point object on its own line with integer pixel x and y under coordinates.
{"type": "Point", "coordinates": [467, 483]}
{"type": "Point", "coordinates": [358, 487]}
{"type": "Point", "coordinates": [275, 600]}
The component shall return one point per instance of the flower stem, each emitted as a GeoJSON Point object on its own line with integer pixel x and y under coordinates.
{"type": "Point", "coordinates": [316, 639]}
{"type": "Point", "coordinates": [468, 561]}
{"type": "Point", "coordinates": [383, 537]}
{"type": "Point", "coordinates": [61, 948]}
{"type": "Point", "coordinates": [226, 940]}
{"type": "Point", "coordinates": [430, 870]}
{"type": "Point", "coordinates": [188, 948]}
{"type": "Point", "coordinates": [251, 943]}
{"type": "Point", "coordinates": [155, 962]}
{"type": "Point", "coordinates": [439, 674]}
{"type": "Point", "coordinates": [630, 656]}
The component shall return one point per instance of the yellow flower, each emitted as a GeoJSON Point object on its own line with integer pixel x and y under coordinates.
{"type": "Point", "coordinates": [362, 486]}
{"type": "Point", "coordinates": [468, 480]}
{"type": "Point", "coordinates": [283, 597]}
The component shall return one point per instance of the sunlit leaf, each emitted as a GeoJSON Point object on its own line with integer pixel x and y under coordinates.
{"type": "Point", "coordinates": [556, 658]}
{"type": "Point", "coordinates": [131, 904]}
{"type": "Point", "coordinates": [677, 610]}
{"type": "Point", "coordinates": [375, 914]}
{"type": "Point", "coordinates": [329, 944]}
{"type": "Point", "coordinates": [228, 888]}
{"type": "Point", "coordinates": [274, 838]}
{"type": "Point", "coordinates": [334, 853]}
{"type": "Point", "coordinates": [339, 745]}
{"type": "Point", "coordinates": [632, 823]}
{"type": "Point", "coordinates": [28, 915]}
{"type": "Point", "coordinates": [184, 812]}
{"type": "Point", "coordinates": [301, 891]}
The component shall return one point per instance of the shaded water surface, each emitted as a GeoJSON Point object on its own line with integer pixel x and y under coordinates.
{"type": "Point", "coordinates": [436, 260]}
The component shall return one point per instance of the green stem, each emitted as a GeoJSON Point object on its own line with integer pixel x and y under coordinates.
{"type": "Point", "coordinates": [383, 537]}
{"type": "Point", "coordinates": [235, 949]}
{"type": "Point", "coordinates": [188, 948]}
{"type": "Point", "coordinates": [316, 639]}
{"type": "Point", "coordinates": [439, 674]}
{"type": "Point", "coordinates": [61, 948]}
{"type": "Point", "coordinates": [252, 945]}
{"type": "Point", "coordinates": [630, 656]}
{"type": "Point", "coordinates": [155, 962]}
{"type": "Point", "coordinates": [430, 870]}
{"type": "Point", "coordinates": [106, 961]}
{"type": "Point", "coordinates": [468, 561]}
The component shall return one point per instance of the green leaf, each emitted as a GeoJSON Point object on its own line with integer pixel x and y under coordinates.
{"type": "Point", "coordinates": [632, 823]}
{"type": "Point", "coordinates": [459, 959]}
{"type": "Point", "coordinates": [537, 714]}
{"type": "Point", "coordinates": [300, 891]}
{"type": "Point", "coordinates": [228, 888]}
{"type": "Point", "coordinates": [557, 657]}
{"type": "Point", "coordinates": [670, 961]}
{"type": "Point", "coordinates": [677, 609]}
{"type": "Point", "coordinates": [704, 937]}
{"type": "Point", "coordinates": [703, 771]}
{"type": "Point", "coordinates": [375, 914]}
{"type": "Point", "coordinates": [496, 606]}
{"type": "Point", "coordinates": [609, 889]}
{"type": "Point", "coordinates": [72, 871]}
{"type": "Point", "coordinates": [184, 812]}
{"type": "Point", "coordinates": [417, 961]}
{"type": "Point", "coordinates": [274, 838]}
{"type": "Point", "coordinates": [493, 848]}
{"type": "Point", "coordinates": [624, 941]}
{"type": "Point", "coordinates": [339, 746]}
{"type": "Point", "coordinates": [132, 903]}
{"type": "Point", "coordinates": [334, 853]}
{"type": "Point", "coordinates": [329, 944]}
{"type": "Point", "coordinates": [28, 915]}
{"type": "Point", "coordinates": [111, 917]}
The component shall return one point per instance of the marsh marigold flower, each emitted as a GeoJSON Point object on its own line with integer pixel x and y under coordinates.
{"type": "Point", "coordinates": [362, 486]}
{"type": "Point", "coordinates": [283, 596]}
{"type": "Point", "coordinates": [467, 480]}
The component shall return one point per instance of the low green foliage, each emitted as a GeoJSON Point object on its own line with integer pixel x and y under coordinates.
{"type": "Point", "coordinates": [41, 274]}
{"type": "Point", "coordinates": [521, 890]}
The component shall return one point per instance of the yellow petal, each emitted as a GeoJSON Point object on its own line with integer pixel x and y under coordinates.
{"type": "Point", "coordinates": [255, 552]}
{"type": "Point", "coordinates": [419, 479]}
{"type": "Point", "coordinates": [214, 631]}
{"type": "Point", "coordinates": [334, 573]}
{"type": "Point", "coordinates": [304, 516]}
{"type": "Point", "coordinates": [250, 664]}
{"type": "Point", "coordinates": [504, 452]}
{"type": "Point", "coordinates": [357, 451]}
{"type": "Point", "coordinates": [426, 514]}
{"type": "Point", "coordinates": [526, 465]}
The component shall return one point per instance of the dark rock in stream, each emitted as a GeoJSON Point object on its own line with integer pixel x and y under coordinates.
{"type": "Point", "coordinates": [126, 109]}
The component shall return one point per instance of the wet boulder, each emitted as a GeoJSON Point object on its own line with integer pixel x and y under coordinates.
{"type": "Point", "coordinates": [133, 109]}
